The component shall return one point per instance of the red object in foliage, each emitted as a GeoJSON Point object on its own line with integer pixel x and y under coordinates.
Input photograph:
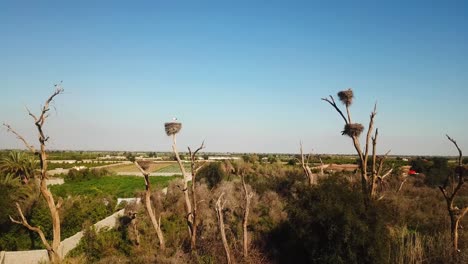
{"type": "Point", "coordinates": [412, 172]}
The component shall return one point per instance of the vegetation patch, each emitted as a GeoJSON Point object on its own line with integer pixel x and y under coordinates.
{"type": "Point", "coordinates": [118, 186]}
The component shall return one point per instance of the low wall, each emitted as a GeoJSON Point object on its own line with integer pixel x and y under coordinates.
{"type": "Point", "coordinates": [36, 256]}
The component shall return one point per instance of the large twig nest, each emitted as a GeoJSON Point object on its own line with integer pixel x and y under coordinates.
{"type": "Point", "coordinates": [144, 164]}
{"type": "Point", "coordinates": [172, 128]}
{"type": "Point", "coordinates": [352, 130]}
{"type": "Point", "coordinates": [346, 96]}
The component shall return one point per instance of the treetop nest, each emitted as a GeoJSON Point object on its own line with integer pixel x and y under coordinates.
{"type": "Point", "coordinates": [352, 130]}
{"type": "Point", "coordinates": [172, 128]}
{"type": "Point", "coordinates": [346, 96]}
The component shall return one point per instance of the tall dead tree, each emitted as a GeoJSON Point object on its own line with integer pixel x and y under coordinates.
{"type": "Point", "coordinates": [143, 167]}
{"type": "Point", "coordinates": [39, 121]}
{"type": "Point", "coordinates": [455, 184]}
{"type": "Point", "coordinates": [172, 128]}
{"type": "Point", "coordinates": [305, 166]}
{"type": "Point", "coordinates": [219, 212]}
{"type": "Point", "coordinates": [245, 220]}
{"type": "Point", "coordinates": [242, 169]}
{"type": "Point", "coordinates": [194, 167]}
{"type": "Point", "coordinates": [369, 172]}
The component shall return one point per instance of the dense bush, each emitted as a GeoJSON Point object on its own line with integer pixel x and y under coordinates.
{"type": "Point", "coordinates": [108, 243]}
{"type": "Point", "coordinates": [86, 174]}
{"type": "Point", "coordinates": [212, 174]}
{"type": "Point", "coordinates": [329, 223]}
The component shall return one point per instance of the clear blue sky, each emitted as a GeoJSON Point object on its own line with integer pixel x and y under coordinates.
{"type": "Point", "coordinates": [246, 76]}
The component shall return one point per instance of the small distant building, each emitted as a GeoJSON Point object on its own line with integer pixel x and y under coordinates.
{"type": "Point", "coordinates": [223, 158]}
{"type": "Point", "coordinates": [79, 168]}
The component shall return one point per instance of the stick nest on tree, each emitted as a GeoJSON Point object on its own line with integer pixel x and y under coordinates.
{"type": "Point", "coordinates": [346, 96]}
{"type": "Point", "coordinates": [172, 128]}
{"type": "Point", "coordinates": [144, 164]}
{"type": "Point", "coordinates": [352, 130]}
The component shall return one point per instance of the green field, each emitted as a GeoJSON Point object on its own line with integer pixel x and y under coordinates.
{"type": "Point", "coordinates": [119, 186]}
{"type": "Point", "coordinates": [174, 168]}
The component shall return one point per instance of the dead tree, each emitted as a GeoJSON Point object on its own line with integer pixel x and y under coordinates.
{"type": "Point", "coordinates": [305, 166]}
{"type": "Point", "coordinates": [172, 128]}
{"type": "Point", "coordinates": [39, 121]}
{"type": "Point", "coordinates": [248, 197]}
{"type": "Point", "coordinates": [369, 172]}
{"type": "Point", "coordinates": [242, 169]}
{"type": "Point", "coordinates": [455, 213]}
{"type": "Point", "coordinates": [148, 206]}
{"type": "Point", "coordinates": [219, 212]}
{"type": "Point", "coordinates": [195, 167]}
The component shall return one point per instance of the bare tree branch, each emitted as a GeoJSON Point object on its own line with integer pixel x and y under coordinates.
{"type": "Point", "coordinates": [332, 102]}
{"type": "Point", "coordinates": [25, 223]}
{"type": "Point", "coordinates": [149, 208]}
{"type": "Point", "coordinates": [454, 212]}
{"type": "Point", "coordinates": [305, 167]}
{"type": "Point", "coordinates": [219, 211]}
{"type": "Point", "coordinates": [369, 133]}
{"type": "Point", "coordinates": [460, 154]}
{"type": "Point", "coordinates": [52, 250]}
{"type": "Point", "coordinates": [29, 146]}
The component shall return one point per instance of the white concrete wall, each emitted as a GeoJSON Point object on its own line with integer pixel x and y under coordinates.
{"type": "Point", "coordinates": [24, 257]}
{"type": "Point", "coordinates": [36, 256]}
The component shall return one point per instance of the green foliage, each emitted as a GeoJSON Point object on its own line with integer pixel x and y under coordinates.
{"type": "Point", "coordinates": [420, 165]}
{"type": "Point", "coordinates": [465, 160]}
{"type": "Point", "coordinates": [130, 157]}
{"type": "Point", "coordinates": [86, 174]}
{"type": "Point", "coordinates": [251, 158]}
{"type": "Point", "coordinates": [72, 155]}
{"type": "Point", "coordinates": [212, 173]}
{"type": "Point", "coordinates": [438, 172]}
{"type": "Point", "coordinates": [272, 159]}
{"type": "Point", "coordinates": [328, 223]}
{"type": "Point", "coordinates": [97, 245]}
{"type": "Point", "coordinates": [80, 209]}
{"type": "Point", "coordinates": [116, 186]}
{"type": "Point", "coordinates": [19, 164]}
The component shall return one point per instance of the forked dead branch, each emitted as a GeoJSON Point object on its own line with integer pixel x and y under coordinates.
{"type": "Point", "coordinates": [143, 167]}
{"type": "Point", "coordinates": [172, 128]}
{"type": "Point", "coordinates": [39, 121]}
{"type": "Point", "coordinates": [450, 189]}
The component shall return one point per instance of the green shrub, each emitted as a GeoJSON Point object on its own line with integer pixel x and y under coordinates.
{"type": "Point", "coordinates": [86, 174]}
{"type": "Point", "coordinates": [329, 223]}
{"type": "Point", "coordinates": [98, 245]}
{"type": "Point", "coordinates": [212, 173]}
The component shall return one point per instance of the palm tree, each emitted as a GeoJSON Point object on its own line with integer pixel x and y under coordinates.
{"type": "Point", "coordinates": [19, 164]}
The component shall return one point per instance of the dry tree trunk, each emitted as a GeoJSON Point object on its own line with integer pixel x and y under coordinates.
{"type": "Point", "coordinates": [306, 168]}
{"type": "Point", "coordinates": [219, 212]}
{"type": "Point", "coordinates": [248, 196]}
{"type": "Point", "coordinates": [52, 249]}
{"type": "Point", "coordinates": [195, 167]}
{"type": "Point", "coordinates": [149, 209]}
{"type": "Point", "coordinates": [455, 213]}
{"type": "Point", "coordinates": [190, 205]}
{"type": "Point", "coordinates": [134, 226]}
